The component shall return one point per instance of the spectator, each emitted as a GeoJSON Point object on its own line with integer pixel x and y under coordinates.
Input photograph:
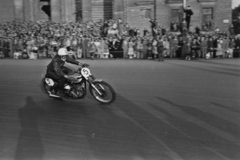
{"type": "Point", "coordinates": [47, 36]}
{"type": "Point", "coordinates": [125, 47]}
{"type": "Point", "coordinates": [188, 11]}
{"type": "Point", "coordinates": [139, 48]}
{"type": "Point", "coordinates": [187, 44]}
{"type": "Point", "coordinates": [160, 49]}
{"type": "Point", "coordinates": [219, 49]}
{"type": "Point", "coordinates": [195, 46]}
{"type": "Point", "coordinates": [154, 48]}
{"type": "Point", "coordinates": [91, 49]}
{"type": "Point", "coordinates": [230, 48]}
{"type": "Point", "coordinates": [210, 47]}
{"type": "Point", "coordinates": [180, 47]}
{"type": "Point", "coordinates": [145, 32]}
{"type": "Point", "coordinates": [130, 48]}
{"type": "Point", "coordinates": [203, 47]}
{"type": "Point", "coordinates": [173, 42]}
{"type": "Point", "coordinates": [106, 49]}
{"type": "Point", "coordinates": [145, 47]}
{"type": "Point", "coordinates": [166, 47]}
{"type": "Point", "coordinates": [153, 26]}
{"type": "Point", "coordinates": [197, 30]}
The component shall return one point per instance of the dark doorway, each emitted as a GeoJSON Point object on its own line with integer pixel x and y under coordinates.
{"type": "Point", "coordinates": [102, 10]}
{"type": "Point", "coordinates": [46, 7]}
{"type": "Point", "coordinates": [107, 9]}
{"type": "Point", "coordinates": [78, 10]}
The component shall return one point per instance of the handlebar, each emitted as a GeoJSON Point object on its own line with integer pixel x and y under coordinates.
{"type": "Point", "coordinates": [71, 78]}
{"type": "Point", "coordinates": [85, 65]}
{"type": "Point", "coordinates": [82, 66]}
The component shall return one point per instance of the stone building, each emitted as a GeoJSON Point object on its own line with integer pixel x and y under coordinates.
{"type": "Point", "coordinates": [208, 14]}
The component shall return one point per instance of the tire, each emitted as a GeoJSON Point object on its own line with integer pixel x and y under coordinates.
{"type": "Point", "coordinates": [100, 98]}
{"type": "Point", "coordinates": [44, 87]}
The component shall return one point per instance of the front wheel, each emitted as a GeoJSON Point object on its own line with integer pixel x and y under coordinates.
{"type": "Point", "coordinates": [103, 92]}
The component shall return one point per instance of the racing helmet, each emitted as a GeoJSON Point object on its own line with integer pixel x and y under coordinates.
{"type": "Point", "coordinates": [62, 52]}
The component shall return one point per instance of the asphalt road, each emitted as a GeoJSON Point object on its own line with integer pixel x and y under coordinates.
{"type": "Point", "coordinates": [172, 110]}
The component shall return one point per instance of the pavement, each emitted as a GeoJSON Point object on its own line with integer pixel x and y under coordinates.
{"type": "Point", "coordinates": [171, 110]}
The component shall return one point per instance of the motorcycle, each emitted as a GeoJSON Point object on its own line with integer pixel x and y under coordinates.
{"type": "Point", "coordinates": [78, 82]}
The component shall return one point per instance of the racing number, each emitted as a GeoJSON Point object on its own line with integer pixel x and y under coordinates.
{"type": "Point", "coordinates": [48, 81]}
{"type": "Point", "coordinates": [85, 71]}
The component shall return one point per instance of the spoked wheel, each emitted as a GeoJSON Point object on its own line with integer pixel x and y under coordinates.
{"type": "Point", "coordinates": [103, 92]}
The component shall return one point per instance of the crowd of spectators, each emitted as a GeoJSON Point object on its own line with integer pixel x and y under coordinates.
{"type": "Point", "coordinates": [111, 39]}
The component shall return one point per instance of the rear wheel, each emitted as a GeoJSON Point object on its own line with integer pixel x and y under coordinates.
{"type": "Point", "coordinates": [45, 88]}
{"type": "Point", "coordinates": [103, 93]}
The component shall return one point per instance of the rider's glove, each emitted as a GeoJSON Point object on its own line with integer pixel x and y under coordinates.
{"type": "Point", "coordinates": [80, 64]}
{"type": "Point", "coordinates": [85, 65]}
{"type": "Point", "coordinates": [65, 76]}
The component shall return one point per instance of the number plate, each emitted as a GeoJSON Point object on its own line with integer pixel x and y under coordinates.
{"type": "Point", "coordinates": [85, 72]}
{"type": "Point", "coordinates": [49, 82]}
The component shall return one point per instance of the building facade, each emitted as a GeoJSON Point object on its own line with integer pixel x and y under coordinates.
{"type": "Point", "coordinates": [208, 14]}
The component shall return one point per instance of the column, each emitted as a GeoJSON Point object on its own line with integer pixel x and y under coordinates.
{"type": "Point", "coordinates": [19, 10]}
{"type": "Point", "coordinates": [70, 10]}
{"type": "Point", "coordinates": [63, 10]}
{"type": "Point", "coordinates": [31, 5]}
{"type": "Point", "coordinates": [35, 10]}
{"type": "Point", "coordinates": [118, 9]}
{"type": "Point", "coordinates": [87, 10]}
{"type": "Point", "coordinates": [55, 11]}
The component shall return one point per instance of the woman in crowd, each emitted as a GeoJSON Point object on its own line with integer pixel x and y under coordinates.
{"type": "Point", "coordinates": [210, 47]}
{"type": "Point", "coordinates": [166, 46]}
{"type": "Point", "coordinates": [154, 48]}
{"type": "Point", "coordinates": [230, 48]}
{"type": "Point", "coordinates": [30, 44]}
{"type": "Point", "coordinates": [175, 47]}
{"type": "Point", "coordinates": [219, 50]}
{"type": "Point", "coordinates": [91, 48]}
{"type": "Point", "coordinates": [225, 46]}
{"type": "Point", "coordinates": [98, 48]}
{"type": "Point", "coordinates": [130, 48]}
{"type": "Point", "coordinates": [105, 48]}
{"type": "Point", "coordinates": [139, 48]}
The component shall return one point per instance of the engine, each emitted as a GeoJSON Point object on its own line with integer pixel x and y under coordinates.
{"type": "Point", "coordinates": [75, 91]}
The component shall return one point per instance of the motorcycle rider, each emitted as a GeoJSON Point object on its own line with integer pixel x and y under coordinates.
{"type": "Point", "coordinates": [58, 72]}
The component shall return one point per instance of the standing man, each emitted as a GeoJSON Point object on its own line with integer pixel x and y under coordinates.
{"type": "Point", "coordinates": [85, 43]}
{"type": "Point", "coordinates": [160, 49]}
{"type": "Point", "coordinates": [153, 26]}
{"type": "Point", "coordinates": [188, 11]}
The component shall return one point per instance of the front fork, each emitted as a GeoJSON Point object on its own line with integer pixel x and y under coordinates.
{"type": "Point", "coordinates": [93, 86]}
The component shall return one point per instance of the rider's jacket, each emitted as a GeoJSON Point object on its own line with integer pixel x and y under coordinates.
{"type": "Point", "coordinates": [56, 65]}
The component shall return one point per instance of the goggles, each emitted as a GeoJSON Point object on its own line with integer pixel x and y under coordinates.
{"type": "Point", "coordinates": [63, 57]}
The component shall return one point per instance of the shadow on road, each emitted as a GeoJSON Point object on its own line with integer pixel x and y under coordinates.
{"type": "Point", "coordinates": [29, 146]}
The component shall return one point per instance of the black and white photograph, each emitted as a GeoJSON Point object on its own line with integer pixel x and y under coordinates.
{"type": "Point", "coordinates": [119, 79]}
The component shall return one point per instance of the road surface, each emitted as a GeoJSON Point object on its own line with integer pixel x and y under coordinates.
{"type": "Point", "coordinates": [171, 110]}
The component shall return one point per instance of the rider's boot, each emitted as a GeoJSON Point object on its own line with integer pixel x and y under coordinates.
{"type": "Point", "coordinates": [53, 93]}
{"type": "Point", "coordinates": [60, 93]}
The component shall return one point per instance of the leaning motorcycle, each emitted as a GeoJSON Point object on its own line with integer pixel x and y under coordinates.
{"type": "Point", "coordinates": [78, 82]}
